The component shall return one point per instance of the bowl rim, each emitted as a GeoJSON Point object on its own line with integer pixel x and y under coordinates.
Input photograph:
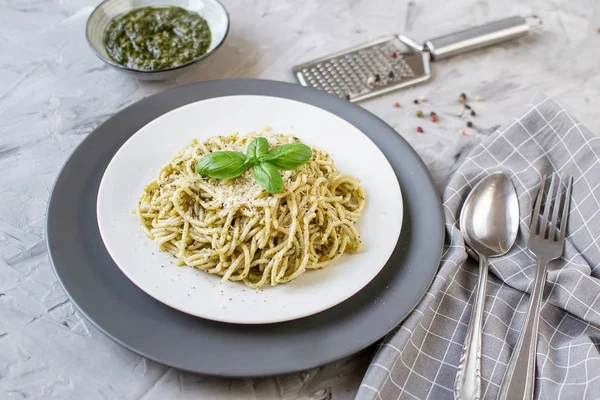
{"type": "Point", "coordinates": [156, 71]}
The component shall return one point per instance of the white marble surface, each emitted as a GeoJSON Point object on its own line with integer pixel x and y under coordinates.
{"type": "Point", "coordinates": [53, 92]}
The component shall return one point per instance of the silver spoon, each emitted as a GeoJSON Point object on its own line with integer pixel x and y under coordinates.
{"type": "Point", "coordinates": [489, 221]}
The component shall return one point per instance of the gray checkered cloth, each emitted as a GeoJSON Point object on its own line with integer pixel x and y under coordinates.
{"type": "Point", "coordinates": [418, 360]}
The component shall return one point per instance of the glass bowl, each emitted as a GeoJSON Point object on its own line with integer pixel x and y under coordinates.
{"type": "Point", "coordinates": [211, 10]}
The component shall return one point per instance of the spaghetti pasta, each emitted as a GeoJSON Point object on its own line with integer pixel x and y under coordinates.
{"type": "Point", "coordinates": [235, 229]}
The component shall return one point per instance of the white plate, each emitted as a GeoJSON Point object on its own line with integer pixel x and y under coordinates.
{"type": "Point", "coordinates": [201, 294]}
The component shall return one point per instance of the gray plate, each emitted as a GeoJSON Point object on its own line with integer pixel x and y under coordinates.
{"type": "Point", "coordinates": [137, 321]}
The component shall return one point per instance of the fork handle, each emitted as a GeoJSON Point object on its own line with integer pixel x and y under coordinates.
{"type": "Point", "coordinates": [519, 379]}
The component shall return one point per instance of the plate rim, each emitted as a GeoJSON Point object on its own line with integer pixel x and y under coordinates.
{"type": "Point", "coordinates": [103, 225]}
{"type": "Point", "coordinates": [233, 85]}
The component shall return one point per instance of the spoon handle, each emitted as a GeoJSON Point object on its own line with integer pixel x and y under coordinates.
{"type": "Point", "coordinates": [468, 377]}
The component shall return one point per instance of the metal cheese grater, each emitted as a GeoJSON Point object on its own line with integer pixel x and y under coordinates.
{"type": "Point", "coordinates": [394, 62]}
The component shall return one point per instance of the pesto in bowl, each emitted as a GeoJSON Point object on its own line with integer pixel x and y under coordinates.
{"type": "Point", "coordinates": [157, 38]}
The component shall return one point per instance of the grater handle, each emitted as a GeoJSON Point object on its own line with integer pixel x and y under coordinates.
{"type": "Point", "coordinates": [481, 36]}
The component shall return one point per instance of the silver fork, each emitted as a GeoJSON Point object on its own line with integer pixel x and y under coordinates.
{"type": "Point", "coordinates": [546, 241]}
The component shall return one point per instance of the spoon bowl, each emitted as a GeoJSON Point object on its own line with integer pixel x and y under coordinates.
{"type": "Point", "coordinates": [489, 219]}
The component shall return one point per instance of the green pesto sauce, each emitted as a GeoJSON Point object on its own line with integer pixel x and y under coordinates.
{"type": "Point", "coordinates": [154, 38]}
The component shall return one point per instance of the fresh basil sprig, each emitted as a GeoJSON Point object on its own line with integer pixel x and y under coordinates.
{"type": "Point", "coordinates": [267, 176]}
{"type": "Point", "coordinates": [264, 162]}
{"type": "Point", "coordinates": [256, 149]}
{"type": "Point", "coordinates": [289, 156]}
{"type": "Point", "coordinates": [223, 164]}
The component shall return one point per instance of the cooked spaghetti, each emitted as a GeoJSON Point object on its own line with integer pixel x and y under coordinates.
{"type": "Point", "coordinates": [236, 229]}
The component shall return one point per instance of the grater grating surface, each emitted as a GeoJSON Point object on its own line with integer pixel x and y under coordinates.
{"type": "Point", "coordinates": [367, 71]}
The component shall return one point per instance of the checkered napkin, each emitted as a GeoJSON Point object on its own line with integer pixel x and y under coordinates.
{"type": "Point", "coordinates": [418, 360]}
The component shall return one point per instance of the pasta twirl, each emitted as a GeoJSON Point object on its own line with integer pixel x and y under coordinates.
{"type": "Point", "coordinates": [235, 229]}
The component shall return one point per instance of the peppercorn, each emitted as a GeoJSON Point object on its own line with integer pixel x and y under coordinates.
{"type": "Point", "coordinates": [478, 98]}
{"type": "Point", "coordinates": [464, 133]}
{"type": "Point", "coordinates": [434, 118]}
{"type": "Point", "coordinates": [468, 107]}
{"type": "Point", "coordinates": [419, 129]}
{"type": "Point", "coordinates": [423, 98]}
{"type": "Point", "coordinates": [432, 113]}
{"type": "Point", "coordinates": [462, 98]}
{"type": "Point", "coordinates": [397, 105]}
{"type": "Point", "coordinates": [473, 112]}
{"type": "Point", "coordinates": [394, 54]}
{"type": "Point", "coordinates": [377, 78]}
{"type": "Point", "coordinates": [371, 80]}
{"type": "Point", "coordinates": [391, 74]}
{"type": "Point", "coordinates": [469, 124]}
{"type": "Point", "coordinates": [347, 96]}
{"type": "Point", "coordinates": [420, 114]}
{"type": "Point", "coordinates": [416, 101]}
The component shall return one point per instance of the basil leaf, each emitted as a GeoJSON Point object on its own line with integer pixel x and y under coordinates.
{"type": "Point", "coordinates": [288, 156]}
{"type": "Point", "coordinates": [222, 164]}
{"type": "Point", "coordinates": [267, 176]}
{"type": "Point", "coordinates": [257, 148]}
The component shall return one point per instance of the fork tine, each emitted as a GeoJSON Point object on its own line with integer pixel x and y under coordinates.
{"type": "Point", "coordinates": [565, 213]}
{"type": "Point", "coordinates": [547, 207]}
{"type": "Point", "coordinates": [535, 214]}
{"type": "Point", "coordinates": [555, 210]}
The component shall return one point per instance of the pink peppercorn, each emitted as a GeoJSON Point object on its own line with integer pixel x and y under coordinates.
{"type": "Point", "coordinates": [419, 129]}
{"type": "Point", "coordinates": [394, 54]}
{"type": "Point", "coordinates": [397, 105]}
